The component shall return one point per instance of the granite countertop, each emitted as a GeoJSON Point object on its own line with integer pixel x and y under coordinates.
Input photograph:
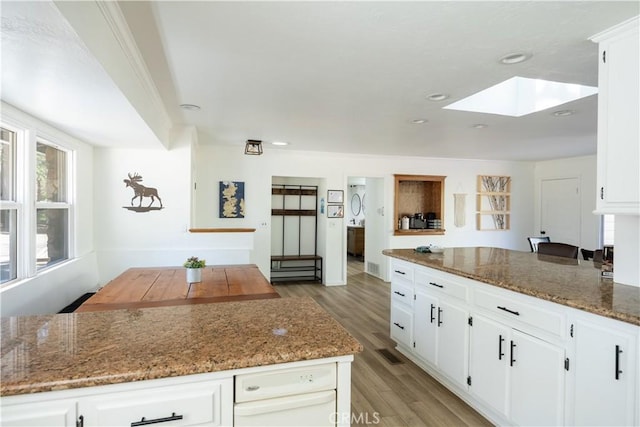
{"type": "Point", "coordinates": [570, 282]}
{"type": "Point", "coordinates": [63, 351]}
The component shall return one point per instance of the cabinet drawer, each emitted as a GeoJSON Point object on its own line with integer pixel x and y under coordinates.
{"type": "Point", "coordinates": [183, 405]}
{"type": "Point", "coordinates": [440, 284]}
{"type": "Point", "coordinates": [401, 293]}
{"type": "Point", "coordinates": [401, 271]}
{"type": "Point", "coordinates": [514, 309]}
{"type": "Point", "coordinates": [401, 324]}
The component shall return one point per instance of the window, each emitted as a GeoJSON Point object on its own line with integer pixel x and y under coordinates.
{"type": "Point", "coordinates": [35, 216]}
{"type": "Point", "coordinates": [52, 218]}
{"type": "Point", "coordinates": [8, 213]}
{"type": "Point", "coordinates": [607, 229]}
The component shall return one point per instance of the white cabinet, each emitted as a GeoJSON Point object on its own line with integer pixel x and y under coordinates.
{"type": "Point", "coordinates": [205, 399]}
{"type": "Point", "coordinates": [441, 333]}
{"type": "Point", "coordinates": [618, 112]}
{"type": "Point", "coordinates": [401, 316]}
{"type": "Point", "coordinates": [52, 413]}
{"type": "Point", "coordinates": [604, 374]}
{"type": "Point", "coordinates": [518, 375]}
{"type": "Point", "coordinates": [185, 405]}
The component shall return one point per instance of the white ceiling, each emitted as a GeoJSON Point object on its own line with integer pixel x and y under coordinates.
{"type": "Point", "coordinates": [328, 76]}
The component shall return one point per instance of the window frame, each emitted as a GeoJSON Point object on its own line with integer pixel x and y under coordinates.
{"type": "Point", "coordinates": [28, 135]}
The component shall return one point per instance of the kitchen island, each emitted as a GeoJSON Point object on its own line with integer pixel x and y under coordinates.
{"type": "Point", "coordinates": [67, 357]}
{"type": "Point", "coordinates": [525, 339]}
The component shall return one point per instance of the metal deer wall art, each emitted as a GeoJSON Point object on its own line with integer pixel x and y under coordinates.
{"type": "Point", "coordinates": [141, 191]}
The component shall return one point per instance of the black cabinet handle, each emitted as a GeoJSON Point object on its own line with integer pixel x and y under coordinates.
{"type": "Point", "coordinates": [436, 285]}
{"type": "Point", "coordinates": [618, 371]}
{"type": "Point", "coordinates": [144, 422]}
{"type": "Point", "coordinates": [513, 345]}
{"type": "Point", "coordinates": [398, 325]}
{"type": "Point", "coordinates": [400, 272]}
{"type": "Point", "coordinates": [439, 316]}
{"type": "Point", "coordinates": [432, 316]}
{"type": "Point", "coordinates": [399, 293]}
{"type": "Point", "coordinates": [500, 353]}
{"type": "Point", "coordinates": [508, 311]}
{"type": "Point", "coordinates": [80, 421]}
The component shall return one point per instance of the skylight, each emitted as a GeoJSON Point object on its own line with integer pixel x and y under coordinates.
{"type": "Point", "coordinates": [520, 96]}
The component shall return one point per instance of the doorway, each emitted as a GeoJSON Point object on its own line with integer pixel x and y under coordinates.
{"type": "Point", "coordinates": [365, 225]}
{"type": "Point", "coordinates": [560, 215]}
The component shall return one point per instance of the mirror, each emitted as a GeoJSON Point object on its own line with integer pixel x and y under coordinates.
{"type": "Point", "coordinates": [355, 204]}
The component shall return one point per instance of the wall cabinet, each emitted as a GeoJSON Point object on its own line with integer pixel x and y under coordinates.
{"type": "Point", "coordinates": [518, 375]}
{"type": "Point", "coordinates": [605, 365]}
{"type": "Point", "coordinates": [618, 112]}
{"type": "Point", "coordinates": [419, 195]}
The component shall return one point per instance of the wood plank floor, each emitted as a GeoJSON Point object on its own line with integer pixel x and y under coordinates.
{"type": "Point", "coordinates": [383, 393]}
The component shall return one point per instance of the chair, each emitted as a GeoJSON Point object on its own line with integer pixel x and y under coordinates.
{"type": "Point", "coordinates": [558, 249]}
{"type": "Point", "coordinates": [596, 255]}
{"type": "Point", "coordinates": [533, 242]}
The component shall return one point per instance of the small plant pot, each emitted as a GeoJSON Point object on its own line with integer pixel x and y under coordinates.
{"type": "Point", "coordinates": [194, 275]}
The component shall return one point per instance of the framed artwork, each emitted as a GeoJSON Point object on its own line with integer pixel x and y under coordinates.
{"type": "Point", "coordinates": [231, 199]}
{"type": "Point", "coordinates": [335, 196]}
{"type": "Point", "coordinates": [335, 211]}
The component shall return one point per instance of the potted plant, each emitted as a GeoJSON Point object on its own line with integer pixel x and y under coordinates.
{"type": "Point", "coordinates": [194, 267]}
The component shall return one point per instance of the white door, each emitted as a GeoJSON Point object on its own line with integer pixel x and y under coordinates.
{"type": "Point", "coordinates": [453, 342]}
{"type": "Point", "coordinates": [425, 325]}
{"type": "Point", "coordinates": [537, 381]}
{"type": "Point", "coordinates": [489, 362]}
{"type": "Point", "coordinates": [602, 369]}
{"type": "Point", "coordinates": [560, 210]}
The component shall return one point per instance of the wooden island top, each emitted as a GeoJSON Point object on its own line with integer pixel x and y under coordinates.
{"type": "Point", "coordinates": [165, 286]}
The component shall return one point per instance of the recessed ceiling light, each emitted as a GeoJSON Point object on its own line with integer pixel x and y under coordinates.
{"type": "Point", "coordinates": [190, 107]}
{"type": "Point", "coordinates": [514, 58]}
{"type": "Point", "coordinates": [479, 126]}
{"type": "Point", "coordinates": [563, 113]}
{"type": "Point", "coordinates": [418, 121]}
{"type": "Point", "coordinates": [282, 143]}
{"type": "Point", "coordinates": [437, 97]}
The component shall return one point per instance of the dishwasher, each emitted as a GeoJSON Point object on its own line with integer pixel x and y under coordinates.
{"type": "Point", "coordinates": [303, 396]}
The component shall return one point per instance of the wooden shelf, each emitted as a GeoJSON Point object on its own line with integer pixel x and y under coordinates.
{"type": "Point", "coordinates": [419, 194]}
{"type": "Point", "coordinates": [222, 230]}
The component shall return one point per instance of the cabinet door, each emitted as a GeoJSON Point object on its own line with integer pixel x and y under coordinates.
{"type": "Point", "coordinates": [537, 381]}
{"type": "Point", "coordinates": [453, 341]}
{"type": "Point", "coordinates": [425, 315]}
{"type": "Point", "coordinates": [185, 405]}
{"type": "Point", "coordinates": [56, 413]}
{"type": "Point", "coordinates": [489, 362]}
{"type": "Point", "coordinates": [604, 376]}
{"type": "Point", "coordinates": [401, 324]}
{"type": "Point", "coordinates": [618, 134]}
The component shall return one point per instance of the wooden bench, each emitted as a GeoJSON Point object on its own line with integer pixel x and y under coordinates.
{"type": "Point", "coordinates": [163, 286]}
{"type": "Point", "coordinates": [298, 268]}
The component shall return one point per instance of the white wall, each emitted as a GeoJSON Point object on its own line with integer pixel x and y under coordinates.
{"type": "Point", "coordinates": [220, 163]}
{"type": "Point", "coordinates": [125, 238]}
{"type": "Point", "coordinates": [583, 168]}
{"type": "Point", "coordinates": [54, 288]}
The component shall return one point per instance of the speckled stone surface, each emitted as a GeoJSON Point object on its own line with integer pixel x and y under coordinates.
{"type": "Point", "coordinates": [62, 351]}
{"type": "Point", "coordinates": [574, 283]}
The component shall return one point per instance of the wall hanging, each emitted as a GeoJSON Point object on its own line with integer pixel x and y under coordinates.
{"type": "Point", "coordinates": [140, 191]}
{"type": "Point", "coordinates": [335, 211]}
{"type": "Point", "coordinates": [459, 209]}
{"type": "Point", "coordinates": [231, 201]}
{"type": "Point", "coordinates": [493, 203]}
{"type": "Point", "coordinates": [335, 196]}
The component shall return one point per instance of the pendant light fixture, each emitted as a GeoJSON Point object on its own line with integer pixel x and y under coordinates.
{"type": "Point", "coordinates": [253, 147]}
